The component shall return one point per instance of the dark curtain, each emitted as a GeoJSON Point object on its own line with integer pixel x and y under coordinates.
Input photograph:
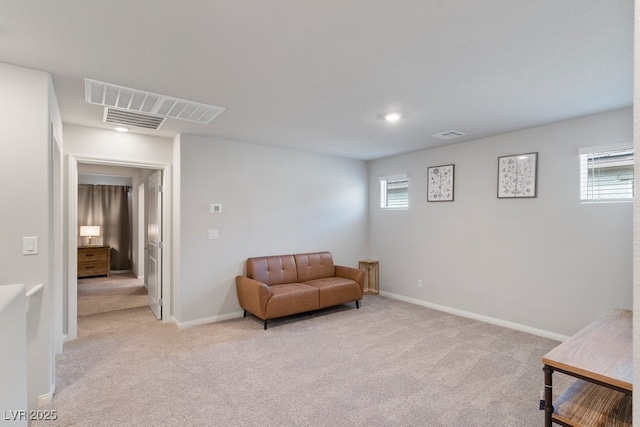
{"type": "Point", "coordinates": [108, 207]}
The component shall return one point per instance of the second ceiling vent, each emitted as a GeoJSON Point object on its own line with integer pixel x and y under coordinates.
{"type": "Point", "coordinates": [449, 134]}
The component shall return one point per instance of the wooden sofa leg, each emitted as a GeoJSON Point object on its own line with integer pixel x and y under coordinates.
{"type": "Point", "coordinates": [357, 304]}
{"type": "Point", "coordinates": [245, 313]}
{"type": "Point", "coordinates": [265, 324]}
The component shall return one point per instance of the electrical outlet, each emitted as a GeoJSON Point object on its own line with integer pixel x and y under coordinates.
{"type": "Point", "coordinates": [213, 234]}
{"type": "Point", "coordinates": [419, 283]}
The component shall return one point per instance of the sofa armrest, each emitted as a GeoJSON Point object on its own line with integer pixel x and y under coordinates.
{"type": "Point", "coordinates": [253, 295]}
{"type": "Point", "coordinates": [351, 273]}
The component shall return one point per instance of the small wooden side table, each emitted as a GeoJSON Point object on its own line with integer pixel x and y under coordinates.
{"type": "Point", "coordinates": [371, 286]}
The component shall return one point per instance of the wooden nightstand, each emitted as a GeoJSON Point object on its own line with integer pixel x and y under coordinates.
{"type": "Point", "coordinates": [94, 261]}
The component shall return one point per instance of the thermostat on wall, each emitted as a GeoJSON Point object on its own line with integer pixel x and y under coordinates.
{"type": "Point", "coordinates": [215, 208]}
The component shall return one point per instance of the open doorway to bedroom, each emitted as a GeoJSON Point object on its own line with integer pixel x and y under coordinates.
{"type": "Point", "coordinates": [162, 216]}
{"type": "Point", "coordinates": [160, 280]}
{"type": "Point", "coordinates": [108, 277]}
{"type": "Point", "coordinates": [111, 220]}
{"type": "Point", "coordinates": [124, 288]}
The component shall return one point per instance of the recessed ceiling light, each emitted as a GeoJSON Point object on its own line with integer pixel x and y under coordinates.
{"type": "Point", "coordinates": [392, 117]}
{"type": "Point", "coordinates": [121, 129]}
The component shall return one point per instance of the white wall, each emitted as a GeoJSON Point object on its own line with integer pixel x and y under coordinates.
{"type": "Point", "coordinates": [274, 201]}
{"type": "Point", "coordinates": [25, 114]}
{"type": "Point", "coordinates": [116, 176]}
{"type": "Point", "coordinates": [176, 272]}
{"type": "Point", "coordinates": [549, 263]}
{"type": "Point", "coordinates": [103, 143]}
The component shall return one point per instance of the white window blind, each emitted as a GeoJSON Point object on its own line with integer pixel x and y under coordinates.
{"type": "Point", "coordinates": [606, 175]}
{"type": "Point", "coordinates": [394, 192]}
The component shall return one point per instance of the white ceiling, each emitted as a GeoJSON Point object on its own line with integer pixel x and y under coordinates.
{"type": "Point", "coordinates": [318, 75]}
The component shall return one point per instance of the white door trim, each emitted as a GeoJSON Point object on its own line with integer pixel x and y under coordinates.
{"type": "Point", "coordinates": [141, 268]}
{"type": "Point", "coordinates": [153, 237]}
{"type": "Point", "coordinates": [72, 238]}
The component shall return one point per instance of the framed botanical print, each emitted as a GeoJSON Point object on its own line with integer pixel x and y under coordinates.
{"type": "Point", "coordinates": [440, 180]}
{"type": "Point", "coordinates": [517, 176]}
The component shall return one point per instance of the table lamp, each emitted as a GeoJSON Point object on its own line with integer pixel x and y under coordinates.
{"type": "Point", "coordinates": [90, 231]}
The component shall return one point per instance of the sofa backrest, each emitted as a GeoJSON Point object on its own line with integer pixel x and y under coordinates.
{"type": "Point", "coordinates": [316, 265]}
{"type": "Point", "coordinates": [273, 270]}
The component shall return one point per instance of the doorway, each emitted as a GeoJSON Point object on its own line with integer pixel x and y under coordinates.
{"type": "Point", "coordinates": [74, 163]}
{"type": "Point", "coordinates": [108, 269]}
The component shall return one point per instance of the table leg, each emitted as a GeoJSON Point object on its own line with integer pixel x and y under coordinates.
{"type": "Point", "coordinates": [548, 395]}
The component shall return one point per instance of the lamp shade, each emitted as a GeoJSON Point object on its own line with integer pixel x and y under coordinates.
{"type": "Point", "coordinates": [89, 230]}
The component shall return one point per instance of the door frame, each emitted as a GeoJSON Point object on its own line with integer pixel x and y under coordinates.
{"type": "Point", "coordinates": [72, 237]}
{"type": "Point", "coordinates": [153, 241]}
{"type": "Point", "coordinates": [141, 270]}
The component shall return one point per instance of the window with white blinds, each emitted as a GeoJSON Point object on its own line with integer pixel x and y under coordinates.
{"type": "Point", "coordinates": [394, 192]}
{"type": "Point", "coordinates": [606, 175]}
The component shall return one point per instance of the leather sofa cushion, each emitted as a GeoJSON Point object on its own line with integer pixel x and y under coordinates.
{"type": "Point", "coordinates": [313, 266]}
{"type": "Point", "coordinates": [273, 270]}
{"type": "Point", "coordinates": [291, 298]}
{"type": "Point", "coordinates": [336, 290]}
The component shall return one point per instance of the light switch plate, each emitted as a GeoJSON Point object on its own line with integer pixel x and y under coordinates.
{"type": "Point", "coordinates": [213, 234]}
{"type": "Point", "coordinates": [30, 246]}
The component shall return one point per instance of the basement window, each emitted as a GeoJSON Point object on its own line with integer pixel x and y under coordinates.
{"type": "Point", "coordinates": [606, 174]}
{"type": "Point", "coordinates": [394, 192]}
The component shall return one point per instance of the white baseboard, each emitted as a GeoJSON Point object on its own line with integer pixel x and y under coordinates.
{"type": "Point", "coordinates": [206, 320]}
{"type": "Point", "coordinates": [492, 320]}
{"type": "Point", "coordinates": [43, 399]}
{"type": "Point", "coordinates": [480, 317]}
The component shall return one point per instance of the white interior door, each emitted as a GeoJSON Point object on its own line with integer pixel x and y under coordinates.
{"type": "Point", "coordinates": [154, 243]}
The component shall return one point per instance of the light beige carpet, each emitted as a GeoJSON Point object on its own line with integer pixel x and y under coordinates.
{"type": "Point", "coordinates": [388, 364]}
{"type": "Point", "coordinates": [105, 294]}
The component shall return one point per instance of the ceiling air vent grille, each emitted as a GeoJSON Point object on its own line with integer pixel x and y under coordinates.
{"type": "Point", "coordinates": [137, 101]}
{"type": "Point", "coordinates": [111, 115]}
{"type": "Point", "coordinates": [449, 134]}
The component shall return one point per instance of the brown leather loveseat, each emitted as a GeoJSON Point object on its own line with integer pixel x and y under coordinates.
{"type": "Point", "coordinates": [281, 285]}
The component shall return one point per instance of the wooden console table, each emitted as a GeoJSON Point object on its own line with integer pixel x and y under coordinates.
{"type": "Point", "coordinates": [601, 357]}
{"type": "Point", "coordinates": [371, 279]}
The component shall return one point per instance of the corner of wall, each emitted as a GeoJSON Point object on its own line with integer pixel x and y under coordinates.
{"type": "Point", "coordinates": [176, 260]}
